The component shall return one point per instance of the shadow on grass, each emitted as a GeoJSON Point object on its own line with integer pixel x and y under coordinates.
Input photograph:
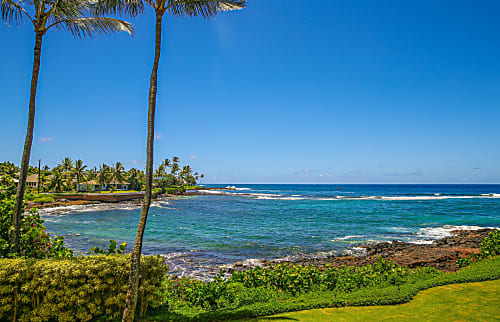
{"type": "Point", "coordinates": [272, 318]}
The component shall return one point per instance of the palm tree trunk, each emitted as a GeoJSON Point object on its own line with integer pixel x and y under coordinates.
{"type": "Point", "coordinates": [135, 261]}
{"type": "Point", "coordinates": [18, 206]}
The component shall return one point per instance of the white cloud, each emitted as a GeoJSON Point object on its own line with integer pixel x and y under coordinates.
{"type": "Point", "coordinates": [46, 139]}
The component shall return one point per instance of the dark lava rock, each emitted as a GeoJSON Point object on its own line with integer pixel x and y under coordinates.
{"type": "Point", "coordinates": [441, 254]}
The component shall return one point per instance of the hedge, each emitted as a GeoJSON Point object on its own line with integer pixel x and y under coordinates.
{"type": "Point", "coordinates": [378, 295]}
{"type": "Point", "coordinates": [74, 289]}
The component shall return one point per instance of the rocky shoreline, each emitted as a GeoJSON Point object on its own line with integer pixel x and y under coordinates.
{"type": "Point", "coordinates": [440, 254]}
{"type": "Point", "coordinates": [63, 202]}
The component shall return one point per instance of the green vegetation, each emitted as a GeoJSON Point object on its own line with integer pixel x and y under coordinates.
{"type": "Point", "coordinates": [172, 179]}
{"type": "Point", "coordinates": [459, 302]}
{"type": "Point", "coordinates": [74, 289]}
{"type": "Point", "coordinates": [490, 246]}
{"type": "Point", "coordinates": [67, 176]}
{"type": "Point", "coordinates": [35, 242]}
{"type": "Point", "coordinates": [112, 249]}
{"type": "Point", "coordinates": [190, 300]}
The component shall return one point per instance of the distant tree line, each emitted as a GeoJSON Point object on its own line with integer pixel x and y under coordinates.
{"type": "Point", "coordinates": [65, 176]}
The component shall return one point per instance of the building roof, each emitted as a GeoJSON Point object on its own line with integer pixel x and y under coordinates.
{"type": "Point", "coordinates": [34, 178]}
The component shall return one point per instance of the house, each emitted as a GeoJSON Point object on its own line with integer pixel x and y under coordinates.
{"type": "Point", "coordinates": [32, 181]}
{"type": "Point", "coordinates": [94, 185]}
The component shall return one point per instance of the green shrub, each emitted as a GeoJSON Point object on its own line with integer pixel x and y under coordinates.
{"type": "Point", "coordinates": [273, 302]}
{"type": "Point", "coordinates": [296, 279]}
{"type": "Point", "coordinates": [75, 289]}
{"type": "Point", "coordinates": [112, 249]}
{"type": "Point", "coordinates": [490, 246]}
{"type": "Point", "coordinates": [35, 242]}
{"type": "Point", "coordinates": [43, 199]}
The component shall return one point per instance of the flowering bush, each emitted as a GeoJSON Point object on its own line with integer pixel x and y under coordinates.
{"type": "Point", "coordinates": [35, 241]}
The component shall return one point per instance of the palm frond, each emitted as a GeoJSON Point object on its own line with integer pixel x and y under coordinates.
{"type": "Point", "coordinates": [89, 26]}
{"type": "Point", "coordinates": [204, 8]}
{"type": "Point", "coordinates": [13, 11]}
{"type": "Point", "coordinates": [130, 8]}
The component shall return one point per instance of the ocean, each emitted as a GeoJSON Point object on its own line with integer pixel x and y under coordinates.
{"type": "Point", "coordinates": [200, 234]}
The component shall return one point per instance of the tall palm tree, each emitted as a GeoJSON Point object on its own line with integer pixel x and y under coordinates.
{"type": "Point", "coordinates": [67, 164]}
{"type": "Point", "coordinates": [178, 8]}
{"type": "Point", "coordinates": [118, 172]}
{"type": "Point", "coordinates": [79, 172]}
{"type": "Point", "coordinates": [103, 175]}
{"type": "Point", "coordinates": [70, 15]}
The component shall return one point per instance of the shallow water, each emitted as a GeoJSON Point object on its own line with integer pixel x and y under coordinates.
{"type": "Point", "coordinates": [197, 234]}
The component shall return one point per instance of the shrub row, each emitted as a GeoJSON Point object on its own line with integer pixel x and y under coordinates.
{"type": "Point", "coordinates": [272, 302]}
{"type": "Point", "coordinates": [296, 279]}
{"type": "Point", "coordinates": [74, 289]}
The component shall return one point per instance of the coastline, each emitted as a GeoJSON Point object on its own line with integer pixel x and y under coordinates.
{"type": "Point", "coordinates": [440, 250]}
{"type": "Point", "coordinates": [441, 254]}
{"type": "Point", "coordinates": [83, 199]}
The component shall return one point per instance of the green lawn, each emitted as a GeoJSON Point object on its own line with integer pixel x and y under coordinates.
{"type": "Point", "coordinates": [456, 302]}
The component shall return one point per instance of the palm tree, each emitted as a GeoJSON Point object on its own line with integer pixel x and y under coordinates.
{"type": "Point", "coordinates": [57, 182]}
{"type": "Point", "coordinates": [70, 15]}
{"type": "Point", "coordinates": [103, 175]}
{"type": "Point", "coordinates": [67, 165]}
{"type": "Point", "coordinates": [178, 8]}
{"type": "Point", "coordinates": [79, 172]}
{"type": "Point", "coordinates": [134, 179]}
{"type": "Point", "coordinates": [118, 172]}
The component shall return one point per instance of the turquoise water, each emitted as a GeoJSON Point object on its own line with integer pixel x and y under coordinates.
{"type": "Point", "coordinates": [198, 233]}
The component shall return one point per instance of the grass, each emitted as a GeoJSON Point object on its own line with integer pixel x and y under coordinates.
{"type": "Point", "coordinates": [458, 302]}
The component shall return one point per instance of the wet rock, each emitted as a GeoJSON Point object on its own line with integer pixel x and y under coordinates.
{"type": "Point", "coordinates": [441, 254]}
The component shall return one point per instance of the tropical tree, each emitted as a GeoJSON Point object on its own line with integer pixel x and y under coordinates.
{"type": "Point", "coordinates": [178, 8]}
{"type": "Point", "coordinates": [58, 181]}
{"type": "Point", "coordinates": [103, 175]}
{"type": "Point", "coordinates": [79, 171]}
{"type": "Point", "coordinates": [118, 172]}
{"type": "Point", "coordinates": [92, 174]}
{"type": "Point", "coordinates": [135, 179]}
{"type": "Point", "coordinates": [69, 15]}
{"type": "Point", "coordinates": [66, 165]}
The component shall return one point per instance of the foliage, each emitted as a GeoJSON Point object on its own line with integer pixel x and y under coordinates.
{"type": "Point", "coordinates": [490, 246]}
{"type": "Point", "coordinates": [43, 199]}
{"type": "Point", "coordinates": [283, 281]}
{"type": "Point", "coordinates": [169, 174]}
{"type": "Point", "coordinates": [263, 302]}
{"type": "Point", "coordinates": [296, 279]}
{"type": "Point", "coordinates": [35, 242]}
{"type": "Point", "coordinates": [75, 289]}
{"type": "Point", "coordinates": [112, 249]}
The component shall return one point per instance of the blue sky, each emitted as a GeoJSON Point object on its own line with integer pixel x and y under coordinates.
{"type": "Point", "coordinates": [285, 91]}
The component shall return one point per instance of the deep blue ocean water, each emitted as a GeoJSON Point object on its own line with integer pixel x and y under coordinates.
{"type": "Point", "coordinates": [199, 233]}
